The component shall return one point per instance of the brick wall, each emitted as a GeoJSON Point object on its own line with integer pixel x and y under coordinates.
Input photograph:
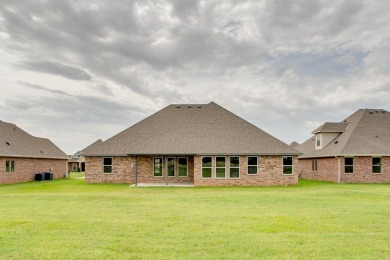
{"type": "Point", "coordinates": [25, 169]}
{"type": "Point", "coordinates": [122, 171]}
{"type": "Point", "coordinates": [145, 171]}
{"type": "Point", "coordinates": [362, 171]}
{"type": "Point", "coordinates": [270, 173]}
{"type": "Point", "coordinates": [328, 168]}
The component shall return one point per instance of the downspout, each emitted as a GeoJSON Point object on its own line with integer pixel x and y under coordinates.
{"type": "Point", "coordinates": [136, 170]}
{"type": "Point", "coordinates": [166, 171]}
{"type": "Point", "coordinates": [339, 170]}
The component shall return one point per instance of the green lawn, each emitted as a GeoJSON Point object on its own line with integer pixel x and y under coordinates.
{"type": "Point", "coordinates": [67, 219]}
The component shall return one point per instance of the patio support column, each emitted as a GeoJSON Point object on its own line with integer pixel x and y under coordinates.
{"type": "Point", "coordinates": [136, 170]}
{"type": "Point", "coordinates": [166, 170]}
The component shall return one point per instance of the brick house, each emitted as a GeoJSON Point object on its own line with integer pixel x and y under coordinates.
{"type": "Point", "coordinates": [22, 155]}
{"type": "Point", "coordinates": [356, 149]}
{"type": "Point", "coordinates": [76, 162]}
{"type": "Point", "coordinates": [203, 145]}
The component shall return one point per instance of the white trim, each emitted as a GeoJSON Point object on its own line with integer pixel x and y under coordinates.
{"type": "Point", "coordinates": [372, 166]}
{"type": "Point", "coordinates": [162, 167]}
{"type": "Point", "coordinates": [247, 166]}
{"type": "Point", "coordinates": [353, 165]}
{"type": "Point", "coordinates": [292, 165]}
{"type": "Point", "coordinates": [112, 165]}
{"type": "Point", "coordinates": [239, 169]}
{"type": "Point", "coordinates": [178, 169]}
{"type": "Point", "coordinates": [174, 166]}
{"type": "Point", "coordinates": [201, 168]}
{"type": "Point", "coordinates": [216, 167]}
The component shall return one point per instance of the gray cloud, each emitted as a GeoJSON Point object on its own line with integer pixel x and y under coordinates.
{"type": "Point", "coordinates": [56, 69]}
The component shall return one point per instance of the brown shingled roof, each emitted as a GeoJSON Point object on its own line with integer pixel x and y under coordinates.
{"type": "Point", "coordinates": [331, 127]}
{"type": "Point", "coordinates": [91, 146]}
{"type": "Point", "coordinates": [192, 129]}
{"type": "Point", "coordinates": [14, 142]}
{"type": "Point", "coordinates": [367, 133]}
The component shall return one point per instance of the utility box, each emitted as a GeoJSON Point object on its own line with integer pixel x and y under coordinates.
{"type": "Point", "coordinates": [39, 177]}
{"type": "Point", "coordinates": [48, 176]}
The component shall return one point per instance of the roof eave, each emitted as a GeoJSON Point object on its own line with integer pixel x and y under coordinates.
{"type": "Point", "coordinates": [31, 156]}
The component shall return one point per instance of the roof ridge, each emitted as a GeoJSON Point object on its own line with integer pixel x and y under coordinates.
{"type": "Point", "coordinates": [353, 130]}
{"type": "Point", "coordinates": [169, 128]}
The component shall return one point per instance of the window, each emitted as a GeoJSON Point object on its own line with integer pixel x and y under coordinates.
{"type": "Point", "coordinates": [287, 165]}
{"type": "Point", "coordinates": [252, 165]}
{"type": "Point", "coordinates": [157, 167]}
{"type": "Point", "coordinates": [207, 167]}
{"type": "Point", "coordinates": [376, 165]}
{"type": "Point", "coordinates": [107, 164]}
{"type": "Point", "coordinates": [220, 167]}
{"type": "Point", "coordinates": [9, 166]}
{"type": "Point", "coordinates": [234, 167]}
{"type": "Point", "coordinates": [183, 166]}
{"type": "Point", "coordinates": [318, 140]}
{"type": "Point", "coordinates": [314, 165]}
{"type": "Point", "coordinates": [171, 167]}
{"type": "Point", "coordinates": [348, 164]}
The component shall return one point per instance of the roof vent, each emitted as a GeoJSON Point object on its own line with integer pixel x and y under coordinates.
{"type": "Point", "coordinates": [189, 106]}
{"type": "Point", "coordinates": [177, 106]}
{"type": "Point", "coordinates": [7, 143]}
{"type": "Point", "coordinates": [383, 111]}
{"type": "Point", "coordinates": [371, 112]}
{"type": "Point", "coordinates": [41, 151]}
{"type": "Point", "coordinates": [199, 107]}
{"type": "Point", "coordinates": [336, 142]}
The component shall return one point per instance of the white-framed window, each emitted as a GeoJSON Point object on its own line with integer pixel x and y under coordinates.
{"type": "Point", "coordinates": [288, 165]}
{"type": "Point", "coordinates": [183, 166]}
{"type": "Point", "coordinates": [220, 167]}
{"type": "Point", "coordinates": [348, 164]}
{"type": "Point", "coordinates": [252, 165]}
{"type": "Point", "coordinates": [314, 165]}
{"type": "Point", "coordinates": [157, 166]}
{"type": "Point", "coordinates": [107, 164]}
{"type": "Point", "coordinates": [171, 166]}
{"type": "Point", "coordinates": [376, 165]}
{"type": "Point", "coordinates": [318, 140]}
{"type": "Point", "coordinates": [9, 166]}
{"type": "Point", "coordinates": [207, 167]}
{"type": "Point", "coordinates": [234, 168]}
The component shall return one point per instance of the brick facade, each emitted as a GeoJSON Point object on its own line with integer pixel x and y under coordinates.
{"type": "Point", "coordinates": [328, 170]}
{"type": "Point", "coordinates": [25, 169]}
{"type": "Point", "coordinates": [270, 172]}
{"type": "Point", "coordinates": [122, 170]}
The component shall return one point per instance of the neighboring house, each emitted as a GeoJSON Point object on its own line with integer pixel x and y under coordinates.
{"type": "Point", "coordinates": [76, 162]}
{"type": "Point", "coordinates": [23, 155]}
{"type": "Point", "coordinates": [204, 145]}
{"type": "Point", "coordinates": [356, 149]}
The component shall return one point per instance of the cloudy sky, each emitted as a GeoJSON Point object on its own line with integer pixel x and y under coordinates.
{"type": "Point", "coordinates": [76, 71]}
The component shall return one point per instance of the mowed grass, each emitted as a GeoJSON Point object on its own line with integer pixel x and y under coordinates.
{"type": "Point", "coordinates": [68, 219]}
